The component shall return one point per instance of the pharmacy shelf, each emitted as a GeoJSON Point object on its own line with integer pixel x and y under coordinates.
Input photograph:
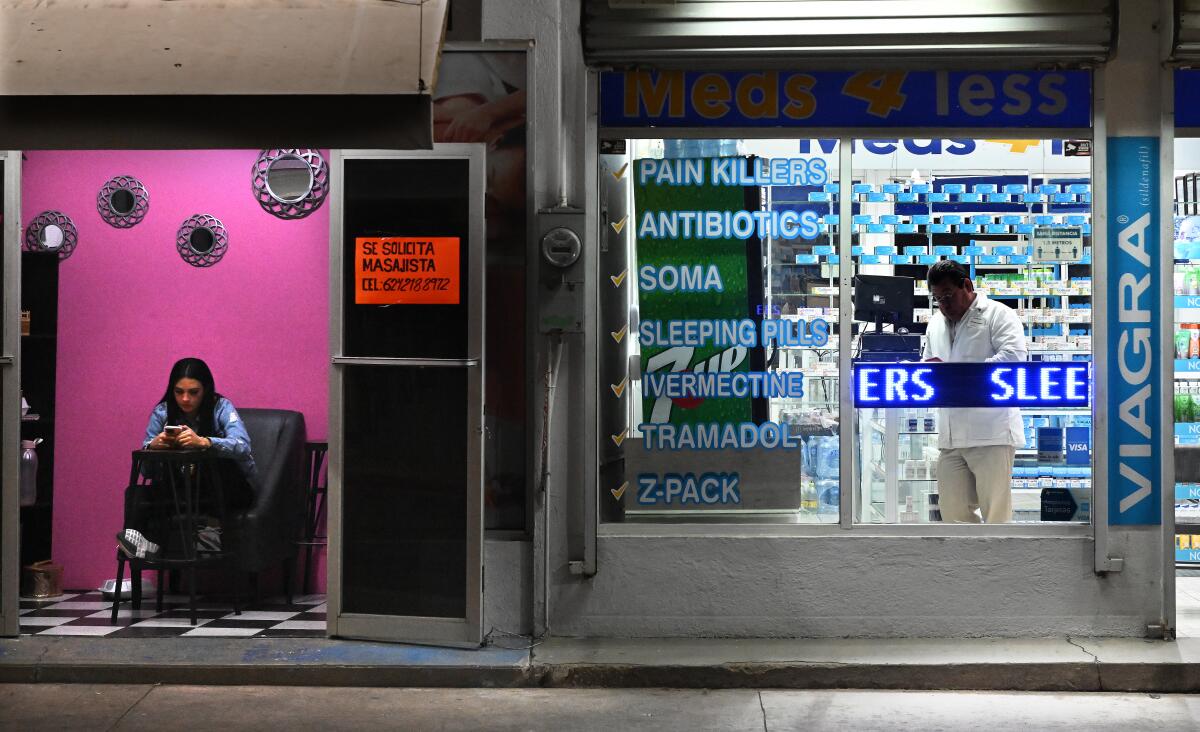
{"type": "Point", "coordinates": [1029, 264]}
{"type": "Point", "coordinates": [1035, 293]}
{"type": "Point", "coordinates": [1189, 519]}
{"type": "Point", "coordinates": [878, 427]}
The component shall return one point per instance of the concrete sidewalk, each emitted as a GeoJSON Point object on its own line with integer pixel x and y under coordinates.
{"type": "Point", "coordinates": [1062, 664]}
{"type": "Point", "coordinates": [69, 707]}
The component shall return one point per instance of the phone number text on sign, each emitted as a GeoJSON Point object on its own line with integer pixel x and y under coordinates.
{"type": "Point", "coordinates": [406, 270]}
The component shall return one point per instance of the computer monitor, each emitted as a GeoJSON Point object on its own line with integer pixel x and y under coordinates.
{"type": "Point", "coordinates": [882, 299]}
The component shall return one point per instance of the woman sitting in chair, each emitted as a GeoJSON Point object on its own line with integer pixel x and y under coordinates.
{"type": "Point", "coordinates": [193, 416]}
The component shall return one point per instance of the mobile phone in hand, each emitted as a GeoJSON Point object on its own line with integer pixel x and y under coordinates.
{"type": "Point", "coordinates": [173, 430]}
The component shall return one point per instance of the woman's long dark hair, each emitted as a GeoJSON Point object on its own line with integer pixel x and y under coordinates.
{"type": "Point", "coordinates": [193, 368]}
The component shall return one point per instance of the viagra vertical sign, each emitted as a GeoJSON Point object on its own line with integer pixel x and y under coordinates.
{"type": "Point", "coordinates": [1134, 363]}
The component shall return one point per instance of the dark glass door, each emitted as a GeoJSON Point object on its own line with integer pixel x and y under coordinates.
{"type": "Point", "coordinates": [407, 396]}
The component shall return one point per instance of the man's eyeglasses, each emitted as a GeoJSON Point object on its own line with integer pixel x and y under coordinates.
{"type": "Point", "coordinates": [958, 286]}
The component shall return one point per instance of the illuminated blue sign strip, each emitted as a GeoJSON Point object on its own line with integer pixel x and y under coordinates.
{"type": "Point", "coordinates": [1039, 384]}
{"type": "Point", "coordinates": [966, 99]}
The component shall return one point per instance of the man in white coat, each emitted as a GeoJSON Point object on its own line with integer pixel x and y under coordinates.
{"type": "Point", "coordinates": [977, 445]}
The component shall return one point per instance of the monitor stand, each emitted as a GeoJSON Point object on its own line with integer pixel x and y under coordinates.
{"type": "Point", "coordinates": [881, 346]}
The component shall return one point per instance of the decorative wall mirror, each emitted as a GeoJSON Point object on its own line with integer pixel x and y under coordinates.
{"type": "Point", "coordinates": [202, 240]}
{"type": "Point", "coordinates": [290, 183]}
{"type": "Point", "coordinates": [123, 201]}
{"type": "Point", "coordinates": [52, 231]}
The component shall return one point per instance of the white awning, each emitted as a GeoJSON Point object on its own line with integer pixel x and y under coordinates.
{"type": "Point", "coordinates": [219, 47]}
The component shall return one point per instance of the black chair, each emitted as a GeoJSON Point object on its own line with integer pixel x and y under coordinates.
{"type": "Point", "coordinates": [185, 486]}
{"type": "Point", "coordinates": [317, 491]}
{"type": "Point", "coordinates": [265, 534]}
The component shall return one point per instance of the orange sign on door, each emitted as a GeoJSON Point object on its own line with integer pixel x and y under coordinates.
{"type": "Point", "coordinates": [406, 270]}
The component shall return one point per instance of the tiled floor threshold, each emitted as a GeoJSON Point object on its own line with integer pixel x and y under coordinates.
{"type": "Point", "coordinates": [87, 613]}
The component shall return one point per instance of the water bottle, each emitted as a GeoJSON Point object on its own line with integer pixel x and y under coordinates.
{"type": "Point", "coordinates": [808, 478]}
{"type": "Point", "coordinates": [809, 500]}
{"type": "Point", "coordinates": [828, 457]}
{"type": "Point", "coordinates": [828, 492]}
{"type": "Point", "coordinates": [29, 466]}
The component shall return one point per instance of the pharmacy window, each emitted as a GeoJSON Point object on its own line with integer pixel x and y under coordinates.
{"type": "Point", "coordinates": [973, 251]}
{"type": "Point", "coordinates": [721, 335]}
{"type": "Point", "coordinates": [721, 292]}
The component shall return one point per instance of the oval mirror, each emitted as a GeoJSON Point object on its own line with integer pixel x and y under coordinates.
{"type": "Point", "coordinates": [201, 240]}
{"type": "Point", "coordinates": [51, 237]}
{"type": "Point", "coordinates": [289, 179]}
{"type": "Point", "coordinates": [122, 202]}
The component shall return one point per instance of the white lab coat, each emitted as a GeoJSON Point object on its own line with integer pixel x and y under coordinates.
{"type": "Point", "coordinates": [988, 331]}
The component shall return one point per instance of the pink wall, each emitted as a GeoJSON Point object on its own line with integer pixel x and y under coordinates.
{"type": "Point", "coordinates": [129, 306]}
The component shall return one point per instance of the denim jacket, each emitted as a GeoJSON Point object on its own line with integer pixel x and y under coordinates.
{"type": "Point", "coordinates": [231, 440]}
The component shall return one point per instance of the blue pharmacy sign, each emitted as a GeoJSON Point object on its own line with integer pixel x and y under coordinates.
{"type": "Point", "coordinates": [966, 99]}
{"type": "Point", "coordinates": [1012, 384]}
{"type": "Point", "coordinates": [1135, 369]}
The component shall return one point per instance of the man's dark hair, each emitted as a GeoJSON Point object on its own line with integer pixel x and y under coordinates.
{"type": "Point", "coordinates": [947, 270]}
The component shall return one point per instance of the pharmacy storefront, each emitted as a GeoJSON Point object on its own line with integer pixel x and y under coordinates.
{"type": "Point", "coordinates": [776, 388]}
{"type": "Point", "coordinates": [1185, 292]}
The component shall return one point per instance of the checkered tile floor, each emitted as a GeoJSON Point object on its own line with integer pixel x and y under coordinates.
{"type": "Point", "coordinates": [87, 613]}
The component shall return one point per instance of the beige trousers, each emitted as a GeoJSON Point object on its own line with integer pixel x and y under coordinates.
{"type": "Point", "coordinates": [971, 478]}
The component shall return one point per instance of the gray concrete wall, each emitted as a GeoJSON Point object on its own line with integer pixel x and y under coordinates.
{"type": "Point", "coordinates": [862, 585]}
{"type": "Point", "coordinates": [508, 586]}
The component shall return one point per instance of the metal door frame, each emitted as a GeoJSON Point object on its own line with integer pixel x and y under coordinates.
{"type": "Point", "coordinates": [10, 397]}
{"type": "Point", "coordinates": [468, 631]}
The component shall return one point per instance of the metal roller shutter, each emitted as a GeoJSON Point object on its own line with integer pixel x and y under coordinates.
{"type": "Point", "coordinates": [1187, 30]}
{"type": "Point", "coordinates": [1020, 31]}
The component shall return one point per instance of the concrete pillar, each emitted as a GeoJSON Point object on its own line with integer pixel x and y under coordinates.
{"type": "Point", "coordinates": [1134, 325]}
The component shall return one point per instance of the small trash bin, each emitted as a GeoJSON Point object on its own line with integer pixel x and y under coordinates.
{"type": "Point", "coordinates": [42, 579]}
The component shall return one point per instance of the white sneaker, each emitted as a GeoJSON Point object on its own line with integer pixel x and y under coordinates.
{"type": "Point", "coordinates": [135, 545]}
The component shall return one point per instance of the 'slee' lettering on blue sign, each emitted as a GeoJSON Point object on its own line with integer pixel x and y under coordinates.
{"type": "Point", "coordinates": [669, 98]}
{"type": "Point", "coordinates": [1039, 384]}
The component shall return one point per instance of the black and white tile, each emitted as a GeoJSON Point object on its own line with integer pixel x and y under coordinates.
{"type": "Point", "coordinates": [87, 613]}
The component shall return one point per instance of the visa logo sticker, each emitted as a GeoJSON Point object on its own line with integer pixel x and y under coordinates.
{"type": "Point", "coordinates": [1079, 441]}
